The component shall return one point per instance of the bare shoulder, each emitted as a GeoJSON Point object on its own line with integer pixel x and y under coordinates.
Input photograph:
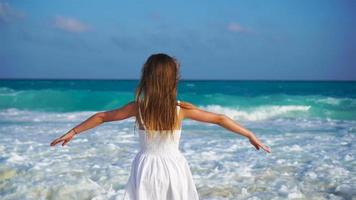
{"type": "Point", "coordinates": [132, 105]}
{"type": "Point", "coordinates": [187, 105]}
{"type": "Point", "coordinates": [125, 111]}
{"type": "Point", "coordinates": [193, 112]}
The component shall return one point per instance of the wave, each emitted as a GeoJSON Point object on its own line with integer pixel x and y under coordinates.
{"type": "Point", "coordinates": [251, 108]}
{"type": "Point", "coordinates": [259, 113]}
{"type": "Point", "coordinates": [18, 115]}
{"type": "Point", "coordinates": [62, 100]}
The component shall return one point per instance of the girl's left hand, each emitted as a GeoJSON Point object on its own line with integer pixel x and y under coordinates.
{"type": "Point", "coordinates": [64, 138]}
{"type": "Point", "coordinates": [258, 144]}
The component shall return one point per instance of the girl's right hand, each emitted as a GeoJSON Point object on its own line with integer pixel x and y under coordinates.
{"type": "Point", "coordinates": [258, 144]}
{"type": "Point", "coordinates": [64, 138]}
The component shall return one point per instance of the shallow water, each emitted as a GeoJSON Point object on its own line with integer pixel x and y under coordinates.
{"type": "Point", "coordinates": [312, 141]}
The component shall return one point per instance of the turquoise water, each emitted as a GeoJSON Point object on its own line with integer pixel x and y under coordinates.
{"type": "Point", "coordinates": [334, 100]}
{"type": "Point", "coordinates": [310, 126]}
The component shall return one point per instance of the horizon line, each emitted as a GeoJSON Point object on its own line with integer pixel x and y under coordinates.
{"type": "Point", "coordinates": [189, 79]}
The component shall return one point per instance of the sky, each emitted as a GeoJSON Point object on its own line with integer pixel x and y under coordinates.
{"type": "Point", "coordinates": [239, 40]}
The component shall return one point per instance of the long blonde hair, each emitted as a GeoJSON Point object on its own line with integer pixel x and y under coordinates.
{"type": "Point", "coordinates": [156, 94]}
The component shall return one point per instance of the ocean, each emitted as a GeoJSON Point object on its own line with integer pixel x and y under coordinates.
{"type": "Point", "coordinates": [309, 125]}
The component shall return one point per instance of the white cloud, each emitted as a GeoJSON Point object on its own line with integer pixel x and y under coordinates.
{"type": "Point", "coordinates": [236, 27]}
{"type": "Point", "coordinates": [8, 14]}
{"type": "Point", "coordinates": [70, 24]}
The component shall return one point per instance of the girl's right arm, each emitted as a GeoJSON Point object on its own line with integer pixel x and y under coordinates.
{"type": "Point", "coordinates": [192, 112]}
{"type": "Point", "coordinates": [124, 112]}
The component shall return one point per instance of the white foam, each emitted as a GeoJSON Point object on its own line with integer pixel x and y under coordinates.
{"type": "Point", "coordinates": [5, 91]}
{"type": "Point", "coordinates": [96, 164]}
{"type": "Point", "coordinates": [15, 158]}
{"type": "Point", "coordinates": [295, 193]}
{"type": "Point", "coordinates": [259, 113]}
{"type": "Point", "coordinates": [14, 114]}
{"type": "Point", "coordinates": [295, 147]}
{"type": "Point", "coordinates": [349, 157]}
{"type": "Point", "coordinates": [331, 100]}
{"type": "Point", "coordinates": [312, 175]}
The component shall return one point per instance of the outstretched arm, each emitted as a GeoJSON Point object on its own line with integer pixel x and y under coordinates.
{"type": "Point", "coordinates": [192, 112]}
{"type": "Point", "coordinates": [124, 112]}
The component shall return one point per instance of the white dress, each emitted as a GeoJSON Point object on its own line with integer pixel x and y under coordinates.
{"type": "Point", "coordinates": [159, 170]}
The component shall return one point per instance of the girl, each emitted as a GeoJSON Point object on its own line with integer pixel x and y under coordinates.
{"type": "Point", "coordinates": [159, 171]}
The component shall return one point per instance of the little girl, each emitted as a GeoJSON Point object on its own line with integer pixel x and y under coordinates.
{"type": "Point", "coordinates": [160, 171]}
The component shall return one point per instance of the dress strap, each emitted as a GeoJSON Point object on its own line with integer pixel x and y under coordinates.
{"type": "Point", "coordinates": [178, 108]}
{"type": "Point", "coordinates": [140, 116]}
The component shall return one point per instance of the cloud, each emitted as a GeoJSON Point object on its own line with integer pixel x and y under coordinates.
{"type": "Point", "coordinates": [70, 24]}
{"type": "Point", "coordinates": [237, 28]}
{"type": "Point", "coordinates": [8, 14]}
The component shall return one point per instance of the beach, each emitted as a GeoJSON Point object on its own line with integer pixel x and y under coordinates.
{"type": "Point", "coordinates": [309, 125]}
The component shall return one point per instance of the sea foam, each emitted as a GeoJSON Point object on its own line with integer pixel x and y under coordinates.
{"type": "Point", "coordinates": [259, 113]}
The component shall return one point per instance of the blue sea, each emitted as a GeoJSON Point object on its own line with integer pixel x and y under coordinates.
{"type": "Point", "coordinates": [309, 125]}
